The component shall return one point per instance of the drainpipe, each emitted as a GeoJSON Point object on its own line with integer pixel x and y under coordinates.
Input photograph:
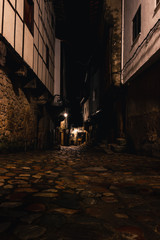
{"type": "Point", "coordinates": [123, 106]}
{"type": "Point", "coordinates": [122, 41]}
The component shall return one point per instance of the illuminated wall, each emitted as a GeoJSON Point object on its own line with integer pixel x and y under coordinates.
{"type": "Point", "coordinates": [136, 53]}
{"type": "Point", "coordinates": [112, 17]}
{"type": "Point", "coordinates": [57, 72]}
{"type": "Point", "coordinates": [28, 26]}
{"type": "Point", "coordinates": [86, 111]}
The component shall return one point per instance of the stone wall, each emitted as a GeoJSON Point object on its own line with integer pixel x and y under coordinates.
{"type": "Point", "coordinates": [112, 124]}
{"type": "Point", "coordinates": [143, 112]}
{"type": "Point", "coordinates": [18, 125]}
{"type": "Point", "coordinates": [112, 15]}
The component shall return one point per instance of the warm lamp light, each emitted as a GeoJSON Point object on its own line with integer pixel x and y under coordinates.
{"type": "Point", "coordinates": [65, 115]}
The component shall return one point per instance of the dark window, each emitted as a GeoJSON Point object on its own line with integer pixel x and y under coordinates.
{"type": "Point", "coordinates": [94, 95]}
{"type": "Point", "coordinates": [158, 1]}
{"type": "Point", "coordinates": [29, 14]}
{"type": "Point", "coordinates": [47, 56]}
{"type": "Point", "coordinates": [137, 24]}
{"type": "Point", "coordinates": [52, 21]}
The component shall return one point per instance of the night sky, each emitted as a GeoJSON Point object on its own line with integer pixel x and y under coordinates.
{"type": "Point", "coordinates": [79, 36]}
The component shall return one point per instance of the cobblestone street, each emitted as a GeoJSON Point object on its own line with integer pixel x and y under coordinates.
{"type": "Point", "coordinates": [79, 193]}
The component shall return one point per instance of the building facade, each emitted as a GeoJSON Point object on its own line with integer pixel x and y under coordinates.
{"type": "Point", "coordinates": [101, 102]}
{"type": "Point", "coordinates": [140, 74]}
{"type": "Point", "coordinates": [27, 42]}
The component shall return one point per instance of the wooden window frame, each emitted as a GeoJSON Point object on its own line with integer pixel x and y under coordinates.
{"type": "Point", "coordinates": [137, 24]}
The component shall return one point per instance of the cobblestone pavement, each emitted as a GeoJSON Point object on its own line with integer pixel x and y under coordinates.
{"type": "Point", "coordinates": [79, 193]}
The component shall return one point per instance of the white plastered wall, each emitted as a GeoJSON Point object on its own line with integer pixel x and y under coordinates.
{"type": "Point", "coordinates": [32, 48]}
{"type": "Point", "coordinates": [149, 17]}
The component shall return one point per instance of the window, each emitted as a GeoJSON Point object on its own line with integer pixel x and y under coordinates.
{"type": "Point", "coordinates": [52, 21]}
{"type": "Point", "coordinates": [137, 24]}
{"type": "Point", "coordinates": [47, 56]}
{"type": "Point", "coordinates": [29, 14]}
{"type": "Point", "coordinates": [94, 95]}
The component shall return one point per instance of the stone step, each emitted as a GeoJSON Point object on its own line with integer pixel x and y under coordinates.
{"type": "Point", "coordinates": [121, 141]}
{"type": "Point", "coordinates": [118, 148]}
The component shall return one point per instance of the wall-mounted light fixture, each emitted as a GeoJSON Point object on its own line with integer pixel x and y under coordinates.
{"type": "Point", "coordinates": [65, 115]}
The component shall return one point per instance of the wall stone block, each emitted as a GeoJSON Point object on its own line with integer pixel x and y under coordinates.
{"type": "Point", "coordinates": [143, 112]}
{"type": "Point", "coordinates": [18, 124]}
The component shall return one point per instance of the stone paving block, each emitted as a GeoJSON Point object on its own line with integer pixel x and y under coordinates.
{"type": "Point", "coordinates": [66, 210]}
{"type": "Point", "coordinates": [10, 204]}
{"type": "Point", "coordinates": [30, 218]}
{"type": "Point", "coordinates": [4, 226]}
{"type": "Point", "coordinates": [46, 195]}
{"type": "Point", "coordinates": [29, 232]}
{"type": "Point", "coordinates": [79, 193]}
{"type": "Point", "coordinates": [36, 207]}
{"type": "Point", "coordinates": [16, 196]}
{"type": "Point", "coordinates": [131, 233]}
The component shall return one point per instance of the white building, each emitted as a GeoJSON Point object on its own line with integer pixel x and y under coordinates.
{"type": "Point", "coordinates": [28, 26]}
{"type": "Point", "coordinates": [27, 86]}
{"type": "Point", "coordinates": [140, 35]}
{"type": "Point", "coordinates": [140, 67]}
{"type": "Point", "coordinates": [86, 111]}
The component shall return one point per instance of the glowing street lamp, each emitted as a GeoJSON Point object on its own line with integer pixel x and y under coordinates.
{"type": "Point", "coordinates": [66, 123]}
{"type": "Point", "coordinates": [65, 115]}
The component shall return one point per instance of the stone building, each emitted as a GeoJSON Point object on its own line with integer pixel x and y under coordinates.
{"type": "Point", "coordinates": [102, 104]}
{"type": "Point", "coordinates": [27, 40]}
{"type": "Point", "coordinates": [140, 74]}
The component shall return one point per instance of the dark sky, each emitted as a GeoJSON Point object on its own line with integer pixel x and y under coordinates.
{"type": "Point", "coordinates": [75, 74]}
{"type": "Point", "coordinates": [75, 27]}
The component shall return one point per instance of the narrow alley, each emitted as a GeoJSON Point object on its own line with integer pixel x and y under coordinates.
{"type": "Point", "coordinates": [79, 193]}
{"type": "Point", "coordinates": [79, 120]}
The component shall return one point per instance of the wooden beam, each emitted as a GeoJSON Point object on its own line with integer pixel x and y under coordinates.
{"type": "Point", "coordinates": [31, 84]}
{"type": "Point", "coordinates": [43, 99]}
{"type": "Point", "coordinates": [3, 53]}
{"type": "Point", "coordinates": [22, 72]}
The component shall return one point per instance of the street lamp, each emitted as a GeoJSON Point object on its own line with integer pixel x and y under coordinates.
{"type": "Point", "coordinates": [66, 131]}
{"type": "Point", "coordinates": [66, 123]}
{"type": "Point", "coordinates": [65, 115]}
